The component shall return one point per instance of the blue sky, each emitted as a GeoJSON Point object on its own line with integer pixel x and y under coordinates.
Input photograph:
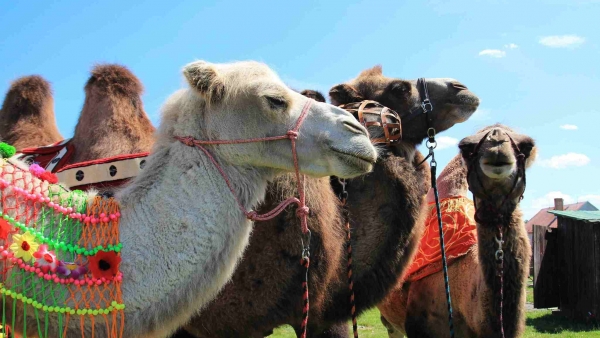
{"type": "Point", "coordinates": [534, 64]}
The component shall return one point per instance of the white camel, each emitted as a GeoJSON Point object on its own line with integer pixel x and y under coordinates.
{"type": "Point", "coordinates": [181, 228]}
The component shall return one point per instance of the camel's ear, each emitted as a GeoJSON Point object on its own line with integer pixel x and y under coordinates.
{"type": "Point", "coordinates": [467, 145]}
{"type": "Point", "coordinates": [313, 94]}
{"type": "Point", "coordinates": [203, 77]}
{"type": "Point", "coordinates": [527, 146]}
{"type": "Point", "coordinates": [343, 93]}
{"type": "Point", "coordinates": [398, 89]}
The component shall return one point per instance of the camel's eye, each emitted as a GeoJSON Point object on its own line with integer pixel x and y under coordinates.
{"type": "Point", "coordinates": [400, 87]}
{"type": "Point", "coordinates": [276, 103]}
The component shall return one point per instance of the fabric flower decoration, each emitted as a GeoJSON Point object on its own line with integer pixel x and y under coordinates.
{"type": "Point", "coordinates": [36, 170]}
{"type": "Point", "coordinates": [71, 269]}
{"type": "Point", "coordinates": [104, 264]}
{"type": "Point", "coordinates": [24, 246]}
{"type": "Point", "coordinates": [5, 229]}
{"type": "Point", "coordinates": [50, 177]}
{"type": "Point", "coordinates": [45, 260]}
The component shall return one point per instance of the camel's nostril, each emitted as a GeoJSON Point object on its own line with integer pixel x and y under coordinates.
{"type": "Point", "coordinates": [355, 127]}
{"type": "Point", "coordinates": [458, 85]}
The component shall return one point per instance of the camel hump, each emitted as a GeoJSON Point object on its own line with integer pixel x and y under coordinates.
{"type": "Point", "coordinates": [27, 95]}
{"type": "Point", "coordinates": [114, 79]}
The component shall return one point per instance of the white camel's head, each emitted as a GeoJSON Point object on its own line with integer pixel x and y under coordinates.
{"type": "Point", "coordinates": [494, 159]}
{"type": "Point", "coordinates": [245, 100]}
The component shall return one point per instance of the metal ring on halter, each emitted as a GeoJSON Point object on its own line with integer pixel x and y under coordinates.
{"type": "Point", "coordinates": [499, 254]}
{"type": "Point", "coordinates": [306, 248]}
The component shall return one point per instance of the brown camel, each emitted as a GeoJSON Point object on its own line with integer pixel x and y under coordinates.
{"type": "Point", "coordinates": [418, 308]}
{"type": "Point", "coordinates": [384, 208]}
{"type": "Point", "coordinates": [28, 109]}
{"type": "Point", "coordinates": [112, 121]}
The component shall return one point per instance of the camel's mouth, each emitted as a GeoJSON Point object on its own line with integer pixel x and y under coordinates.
{"type": "Point", "coordinates": [362, 161]}
{"type": "Point", "coordinates": [497, 169]}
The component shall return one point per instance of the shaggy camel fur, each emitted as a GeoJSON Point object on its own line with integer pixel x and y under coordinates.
{"type": "Point", "coordinates": [384, 206]}
{"type": "Point", "coordinates": [203, 218]}
{"type": "Point", "coordinates": [419, 308]}
{"type": "Point", "coordinates": [113, 110]}
{"type": "Point", "coordinates": [28, 109]}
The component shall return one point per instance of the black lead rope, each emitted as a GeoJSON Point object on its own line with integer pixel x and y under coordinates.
{"type": "Point", "coordinates": [431, 144]}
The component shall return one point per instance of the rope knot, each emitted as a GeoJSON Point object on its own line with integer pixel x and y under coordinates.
{"type": "Point", "coordinates": [292, 135]}
{"type": "Point", "coordinates": [251, 215]}
{"type": "Point", "coordinates": [303, 211]}
{"type": "Point", "coordinates": [188, 141]}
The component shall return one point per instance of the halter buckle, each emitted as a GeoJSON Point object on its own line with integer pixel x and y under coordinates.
{"type": "Point", "coordinates": [427, 106]}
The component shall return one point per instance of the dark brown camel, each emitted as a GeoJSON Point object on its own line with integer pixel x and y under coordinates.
{"type": "Point", "coordinates": [418, 308]}
{"type": "Point", "coordinates": [27, 114]}
{"type": "Point", "coordinates": [384, 208]}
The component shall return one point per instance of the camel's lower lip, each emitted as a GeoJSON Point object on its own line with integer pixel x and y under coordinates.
{"type": "Point", "coordinates": [357, 156]}
{"type": "Point", "coordinates": [366, 164]}
{"type": "Point", "coordinates": [498, 164]}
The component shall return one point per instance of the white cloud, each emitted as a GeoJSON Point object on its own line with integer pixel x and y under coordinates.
{"type": "Point", "coordinates": [566, 160]}
{"type": "Point", "coordinates": [548, 200]}
{"type": "Point", "coordinates": [444, 142]}
{"type": "Point", "coordinates": [562, 41]}
{"type": "Point", "coordinates": [568, 127]}
{"type": "Point", "coordinates": [495, 53]}
{"type": "Point", "coordinates": [594, 199]}
{"type": "Point", "coordinates": [511, 46]}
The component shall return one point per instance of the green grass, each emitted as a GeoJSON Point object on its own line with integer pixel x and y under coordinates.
{"type": "Point", "coordinates": [540, 324]}
{"type": "Point", "coordinates": [530, 293]}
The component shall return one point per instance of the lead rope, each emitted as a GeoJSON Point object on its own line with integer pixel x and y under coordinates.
{"type": "Point", "coordinates": [344, 199]}
{"type": "Point", "coordinates": [431, 144]}
{"type": "Point", "coordinates": [427, 107]}
{"type": "Point", "coordinates": [500, 262]}
{"type": "Point", "coordinates": [305, 262]}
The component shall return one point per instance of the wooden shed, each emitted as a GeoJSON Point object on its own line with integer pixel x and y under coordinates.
{"type": "Point", "coordinates": [576, 262]}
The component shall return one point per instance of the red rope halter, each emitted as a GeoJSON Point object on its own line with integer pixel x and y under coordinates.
{"type": "Point", "coordinates": [292, 135]}
{"type": "Point", "coordinates": [302, 211]}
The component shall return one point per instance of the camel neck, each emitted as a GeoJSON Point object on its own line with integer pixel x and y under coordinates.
{"type": "Point", "coordinates": [182, 234]}
{"type": "Point", "coordinates": [517, 253]}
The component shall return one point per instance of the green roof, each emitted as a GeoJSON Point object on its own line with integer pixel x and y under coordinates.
{"type": "Point", "coordinates": [588, 216]}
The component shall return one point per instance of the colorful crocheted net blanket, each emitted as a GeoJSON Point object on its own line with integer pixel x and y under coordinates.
{"type": "Point", "coordinates": [460, 235]}
{"type": "Point", "coordinates": [59, 255]}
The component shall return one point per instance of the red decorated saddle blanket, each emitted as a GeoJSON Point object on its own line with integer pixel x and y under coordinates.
{"type": "Point", "coordinates": [460, 235]}
{"type": "Point", "coordinates": [99, 174]}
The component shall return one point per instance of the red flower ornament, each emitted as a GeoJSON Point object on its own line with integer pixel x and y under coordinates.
{"type": "Point", "coordinates": [104, 264]}
{"type": "Point", "coordinates": [5, 229]}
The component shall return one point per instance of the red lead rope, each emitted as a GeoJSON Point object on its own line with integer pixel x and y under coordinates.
{"type": "Point", "coordinates": [302, 211]}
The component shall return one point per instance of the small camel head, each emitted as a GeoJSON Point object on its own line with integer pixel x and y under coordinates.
{"type": "Point", "coordinates": [452, 101]}
{"type": "Point", "coordinates": [245, 100]}
{"type": "Point", "coordinates": [494, 162]}
{"type": "Point", "coordinates": [313, 94]}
